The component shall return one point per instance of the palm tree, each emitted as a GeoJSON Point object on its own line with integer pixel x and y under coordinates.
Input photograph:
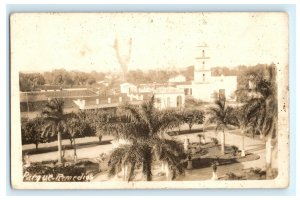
{"type": "Point", "coordinates": [55, 122]}
{"type": "Point", "coordinates": [263, 109]}
{"type": "Point", "coordinates": [143, 127]}
{"type": "Point", "coordinates": [221, 115]}
{"type": "Point", "coordinates": [243, 117]}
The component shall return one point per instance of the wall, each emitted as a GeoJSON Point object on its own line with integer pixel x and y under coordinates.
{"type": "Point", "coordinates": [169, 100]}
{"type": "Point", "coordinates": [205, 91]}
{"type": "Point", "coordinates": [128, 88]}
{"type": "Point", "coordinates": [198, 76]}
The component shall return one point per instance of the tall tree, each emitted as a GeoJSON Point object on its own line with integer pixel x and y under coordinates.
{"type": "Point", "coordinates": [95, 120]}
{"type": "Point", "coordinates": [75, 129]}
{"type": "Point", "coordinates": [55, 122]}
{"type": "Point", "coordinates": [143, 128]}
{"type": "Point", "coordinates": [222, 116]}
{"type": "Point", "coordinates": [262, 108]}
{"type": "Point", "coordinates": [244, 122]}
{"type": "Point", "coordinates": [28, 82]}
{"type": "Point", "coordinates": [32, 130]}
{"type": "Point", "coordinates": [192, 117]}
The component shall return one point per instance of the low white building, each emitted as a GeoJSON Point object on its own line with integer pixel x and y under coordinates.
{"type": "Point", "coordinates": [128, 88]}
{"type": "Point", "coordinates": [169, 97]}
{"type": "Point", "coordinates": [206, 90]}
{"type": "Point", "coordinates": [145, 88]}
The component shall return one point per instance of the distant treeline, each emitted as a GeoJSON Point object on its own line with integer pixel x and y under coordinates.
{"type": "Point", "coordinates": [162, 76]}
{"type": "Point", "coordinates": [158, 76]}
{"type": "Point", "coordinates": [63, 78]}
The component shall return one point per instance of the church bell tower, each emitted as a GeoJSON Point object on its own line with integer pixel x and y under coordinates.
{"type": "Point", "coordinates": [202, 73]}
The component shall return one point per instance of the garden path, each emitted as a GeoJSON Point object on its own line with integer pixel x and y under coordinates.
{"type": "Point", "coordinates": [88, 148]}
{"type": "Point", "coordinates": [251, 145]}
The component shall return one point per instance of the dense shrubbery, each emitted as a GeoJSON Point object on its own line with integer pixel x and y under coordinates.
{"type": "Point", "coordinates": [192, 117]}
{"type": "Point", "coordinates": [74, 125]}
{"type": "Point", "coordinates": [28, 81]}
{"type": "Point", "coordinates": [233, 176]}
{"type": "Point", "coordinates": [77, 129]}
{"type": "Point", "coordinates": [31, 130]}
{"type": "Point", "coordinates": [234, 150]}
{"type": "Point", "coordinates": [61, 77]}
{"type": "Point", "coordinates": [246, 174]}
{"type": "Point", "coordinates": [256, 173]}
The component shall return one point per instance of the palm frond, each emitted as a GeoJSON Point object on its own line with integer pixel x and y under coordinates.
{"type": "Point", "coordinates": [115, 160]}
{"type": "Point", "coordinates": [130, 155]}
{"type": "Point", "coordinates": [160, 145]}
{"type": "Point", "coordinates": [165, 120]}
{"type": "Point", "coordinates": [131, 112]}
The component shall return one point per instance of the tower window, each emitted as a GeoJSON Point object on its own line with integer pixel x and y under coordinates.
{"type": "Point", "coordinates": [203, 53]}
{"type": "Point", "coordinates": [203, 77]}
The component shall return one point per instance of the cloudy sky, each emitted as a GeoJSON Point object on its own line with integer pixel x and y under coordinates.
{"type": "Point", "coordinates": [41, 42]}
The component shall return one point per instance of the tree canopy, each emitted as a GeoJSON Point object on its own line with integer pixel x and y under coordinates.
{"type": "Point", "coordinates": [143, 127]}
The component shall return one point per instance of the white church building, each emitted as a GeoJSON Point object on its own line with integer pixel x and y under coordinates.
{"type": "Point", "coordinates": [173, 94]}
{"type": "Point", "coordinates": [205, 86]}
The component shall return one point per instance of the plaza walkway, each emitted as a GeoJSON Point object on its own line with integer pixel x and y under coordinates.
{"type": "Point", "coordinates": [251, 145]}
{"type": "Point", "coordinates": [88, 148]}
{"type": "Point", "coordinates": [255, 146]}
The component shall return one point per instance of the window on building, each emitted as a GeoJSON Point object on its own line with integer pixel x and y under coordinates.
{"type": "Point", "coordinates": [203, 77]}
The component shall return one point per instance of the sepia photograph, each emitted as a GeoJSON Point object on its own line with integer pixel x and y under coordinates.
{"type": "Point", "coordinates": [149, 100]}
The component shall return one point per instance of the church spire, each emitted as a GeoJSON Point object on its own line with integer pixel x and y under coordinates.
{"type": "Point", "coordinates": [203, 57]}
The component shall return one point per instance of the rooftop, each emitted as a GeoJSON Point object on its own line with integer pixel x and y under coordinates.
{"type": "Point", "coordinates": [42, 96]}
{"type": "Point", "coordinates": [168, 90]}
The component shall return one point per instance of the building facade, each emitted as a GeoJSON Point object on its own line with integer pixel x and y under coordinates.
{"type": "Point", "coordinates": [206, 87]}
{"type": "Point", "coordinates": [169, 97]}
